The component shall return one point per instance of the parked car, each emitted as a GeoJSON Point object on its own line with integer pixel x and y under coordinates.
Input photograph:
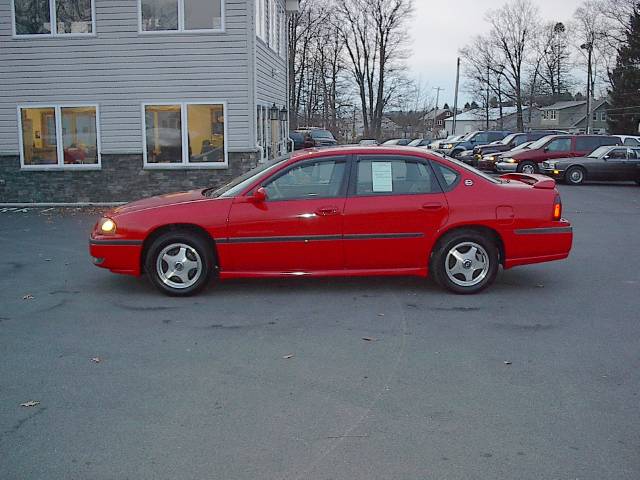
{"type": "Point", "coordinates": [437, 144]}
{"type": "Point", "coordinates": [454, 149]}
{"type": "Point", "coordinates": [507, 143]}
{"type": "Point", "coordinates": [629, 140]}
{"type": "Point", "coordinates": [401, 212]}
{"type": "Point", "coordinates": [604, 163]}
{"type": "Point", "coordinates": [368, 142]}
{"type": "Point", "coordinates": [299, 141]}
{"type": "Point", "coordinates": [401, 142]}
{"type": "Point", "coordinates": [551, 147]}
{"type": "Point", "coordinates": [420, 142]}
{"type": "Point", "coordinates": [488, 162]}
{"type": "Point", "coordinates": [317, 137]}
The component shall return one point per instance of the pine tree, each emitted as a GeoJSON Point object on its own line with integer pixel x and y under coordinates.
{"type": "Point", "coordinates": [624, 114]}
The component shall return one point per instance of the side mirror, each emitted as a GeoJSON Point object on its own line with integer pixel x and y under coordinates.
{"type": "Point", "coordinates": [546, 149]}
{"type": "Point", "coordinates": [259, 196]}
{"type": "Point", "coordinates": [606, 157]}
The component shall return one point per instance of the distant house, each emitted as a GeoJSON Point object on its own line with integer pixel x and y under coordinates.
{"type": "Point", "coordinates": [476, 119]}
{"type": "Point", "coordinates": [441, 115]}
{"type": "Point", "coordinates": [108, 101]}
{"type": "Point", "coordinates": [572, 116]}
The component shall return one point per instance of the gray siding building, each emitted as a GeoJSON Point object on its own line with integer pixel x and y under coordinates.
{"type": "Point", "coordinates": [571, 116]}
{"type": "Point", "coordinates": [112, 100]}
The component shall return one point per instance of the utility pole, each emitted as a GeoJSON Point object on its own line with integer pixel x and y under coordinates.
{"type": "Point", "coordinates": [589, 48]}
{"type": "Point", "coordinates": [455, 100]}
{"type": "Point", "coordinates": [487, 100]}
{"type": "Point", "coordinates": [435, 112]}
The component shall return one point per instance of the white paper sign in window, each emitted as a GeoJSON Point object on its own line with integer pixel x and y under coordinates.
{"type": "Point", "coordinates": [382, 176]}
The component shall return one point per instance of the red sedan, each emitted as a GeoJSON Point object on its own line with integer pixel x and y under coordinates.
{"type": "Point", "coordinates": [354, 211]}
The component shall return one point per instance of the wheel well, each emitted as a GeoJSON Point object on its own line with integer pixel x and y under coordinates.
{"type": "Point", "coordinates": [183, 227]}
{"type": "Point", "coordinates": [480, 229]}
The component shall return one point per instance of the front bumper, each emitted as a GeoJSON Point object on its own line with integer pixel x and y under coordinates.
{"type": "Point", "coordinates": [552, 172]}
{"type": "Point", "coordinates": [504, 167]}
{"type": "Point", "coordinates": [485, 164]}
{"type": "Point", "coordinates": [118, 255]}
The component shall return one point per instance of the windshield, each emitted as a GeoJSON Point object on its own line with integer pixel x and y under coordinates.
{"type": "Point", "coordinates": [508, 139]}
{"type": "Point", "coordinates": [468, 136]}
{"type": "Point", "coordinates": [598, 152]}
{"type": "Point", "coordinates": [234, 187]}
{"type": "Point", "coordinates": [540, 143]}
{"type": "Point", "coordinates": [416, 142]}
{"type": "Point", "coordinates": [321, 134]}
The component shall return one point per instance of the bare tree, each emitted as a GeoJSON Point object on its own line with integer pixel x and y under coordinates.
{"type": "Point", "coordinates": [373, 37]}
{"type": "Point", "coordinates": [513, 31]}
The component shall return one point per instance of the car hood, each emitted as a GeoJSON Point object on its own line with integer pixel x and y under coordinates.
{"type": "Point", "coordinates": [161, 201]}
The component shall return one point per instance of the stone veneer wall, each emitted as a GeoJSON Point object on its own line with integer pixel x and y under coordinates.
{"type": "Point", "coordinates": [121, 179]}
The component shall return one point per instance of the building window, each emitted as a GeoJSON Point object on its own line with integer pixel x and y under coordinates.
{"type": "Point", "coordinates": [185, 134]}
{"type": "Point", "coordinates": [553, 114]}
{"type": "Point", "coordinates": [181, 15]}
{"type": "Point", "coordinates": [53, 17]}
{"type": "Point", "coordinates": [603, 116]}
{"type": "Point", "coordinates": [59, 136]}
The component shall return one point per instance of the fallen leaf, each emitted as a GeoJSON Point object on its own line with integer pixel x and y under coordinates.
{"type": "Point", "coordinates": [28, 297]}
{"type": "Point", "coordinates": [96, 360]}
{"type": "Point", "coordinates": [31, 403]}
{"type": "Point", "coordinates": [381, 314]}
{"type": "Point", "coordinates": [507, 362]}
{"type": "Point", "coordinates": [369, 339]}
{"type": "Point", "coordinates": [287, 357]}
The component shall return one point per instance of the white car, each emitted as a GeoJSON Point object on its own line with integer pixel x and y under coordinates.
{"type": "Point", "coordinates": [629, 140]}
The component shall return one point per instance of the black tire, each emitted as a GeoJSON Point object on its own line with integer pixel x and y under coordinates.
{"type": "Point", "coordinates": [575, 176]}
{"type": "Point", "coordinates": [460, 239]}
{"type": "Point", "coordinates": [197, 249]}
{"type": "Point", "coordinates": [527, 166]}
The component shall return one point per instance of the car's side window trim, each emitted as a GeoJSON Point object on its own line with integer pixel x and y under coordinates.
{"type": "Point", "coordinates": [342, 191]}
{"type": "Point", "coordinates": [441, 180]}
{"type": "Point", "coordinates": [353, 180]}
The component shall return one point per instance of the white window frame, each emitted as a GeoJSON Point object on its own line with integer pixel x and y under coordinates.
{"type": "Point", "coordinates": [553, 114]}
{"type": "Point", "coordinates": [265, 131]}
{"type": "Point", "coordinates": [184, 123]}
{"type": "Point", "coordinates": [54, 24]}
{"type": "Point", "coordinates": [181, 29]}
{"type": "Point", "coordinates": [261, 20]}
{"type": "Point", "coordinates": [59, 140]}
{"type": "Point", "coordinates": [273, 43]}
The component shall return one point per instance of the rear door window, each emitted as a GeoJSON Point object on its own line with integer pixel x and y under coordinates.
{"type": "Point", "coordinates": [631, 142]}
{"type": "Point", "coordinates": [384, 175]}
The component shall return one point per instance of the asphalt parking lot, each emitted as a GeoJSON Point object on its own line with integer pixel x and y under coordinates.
{"type": "Point", "coordinates": [538, 378]}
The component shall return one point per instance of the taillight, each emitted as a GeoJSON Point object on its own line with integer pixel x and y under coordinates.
{"type": "Point", "coordinates": [557, 208]}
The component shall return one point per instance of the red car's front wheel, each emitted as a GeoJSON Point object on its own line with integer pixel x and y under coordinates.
{"type": "Point", "coordinates": [179, 263]}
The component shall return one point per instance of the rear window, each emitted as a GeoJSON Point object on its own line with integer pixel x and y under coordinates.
{"type": "Point", "coordinates": [631, 142]}
{"type": "Point", "coordinates": [450, 176]}
{"type": "Point", "coordinates": [588, 144]}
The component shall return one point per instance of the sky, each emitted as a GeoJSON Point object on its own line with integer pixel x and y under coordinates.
{"type": "Point", "coordinates": [439, 29]}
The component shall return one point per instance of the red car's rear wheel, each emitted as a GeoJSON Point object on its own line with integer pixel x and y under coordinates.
{"type": "Point", "coordinates": [179, 263]}
{"type": "Point", "coordinates": [465, 262]}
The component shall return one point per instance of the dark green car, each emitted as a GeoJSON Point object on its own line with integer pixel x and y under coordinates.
{"type": "Point", "coordinates": [617, 163]}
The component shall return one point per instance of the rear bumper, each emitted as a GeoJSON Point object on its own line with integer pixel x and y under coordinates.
{"type": "Point", "coordinates": [119, 256]}
{"type": "Point", "coordinates": [538, 245]}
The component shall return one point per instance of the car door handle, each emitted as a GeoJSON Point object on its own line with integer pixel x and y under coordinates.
{"type": "Point", "coordinates": [432, 206]}
{"type": "Point", "coordinates": [327, 211]}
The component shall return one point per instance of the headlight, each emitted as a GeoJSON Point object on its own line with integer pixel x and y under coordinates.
{"type": "Point", "coordinates": [448, 146]}
{"type": "Point", "coordinates": [508, 160]}
{"type": "Point", "coordinates": [490, 158]}
{"type": "Point", "coordinates": [550, 164]}
{"type": "Point", "coordinates": [107, 226]}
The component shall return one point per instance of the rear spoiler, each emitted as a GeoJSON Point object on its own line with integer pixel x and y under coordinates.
{"type": "Point", "coordinates": [536, 181]}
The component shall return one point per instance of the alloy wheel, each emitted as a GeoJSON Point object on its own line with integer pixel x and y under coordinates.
{"type": "Point", "coordinates": [179, 266]}
{"type": "Point", "coordinates": [467, 264]}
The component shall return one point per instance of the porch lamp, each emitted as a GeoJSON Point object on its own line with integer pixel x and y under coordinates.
{"type": "Point", "coordinates": [283, 114]}
{"type": "Point", "coordinates": [274, 113]}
